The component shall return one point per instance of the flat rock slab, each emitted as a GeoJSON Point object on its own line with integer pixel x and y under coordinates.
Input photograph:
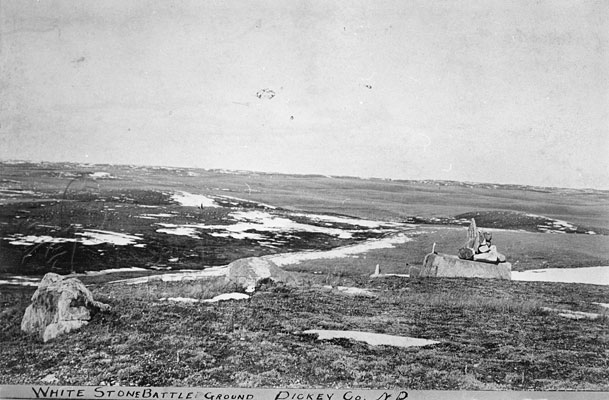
{"type": "Point", "coordinates": [449, 266]}
{"type": "Point", "coordinates": [374, 339]}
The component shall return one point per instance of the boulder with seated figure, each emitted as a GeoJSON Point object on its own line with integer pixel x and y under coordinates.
{"type": "Point", "coordinates": [478, 258]}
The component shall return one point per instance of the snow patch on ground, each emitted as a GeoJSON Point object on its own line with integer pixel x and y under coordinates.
{"type": "Point", "coordinates": [386, 275]}
{"type": "Point", "coordinates": [179, 276]}
{"type": "Point", "coordinates": [238, 235]}
{"type": "Point", "coordinates": [179, 299]}
{"type": "Point", "coordinates": [374, 339]}
{"type": "Point", "coordinates": [114, 270]}
{"type": "Point", "coordinates": [552, 225]}
{"type": "Point", "coordinates": [259, 221]}
{"type": "Point", "coordinates": [346, 220]}
{"type": "Point", "coordinates": [193, 200]}
{"type": "Point", "coordinates": [154, 216]}
{"type": "Point", "coordinates": [102, 175]}
{"type": "Point", "coordinates": [572, 314]}
{"type": "Point", "coordinates": [227, 296]}
{"type": "Point", "coordinates": [588, 275]}
{"type": "Point", "coordinates": [94, 237]}
{"type": "Point", "coordinates": [339, 252]}
{"type": "Point", "coordinates": [90, 237]}
{"type": "Point", "coordinates": [180, 230]}
{"type": "Point", "coordinates": [15, 193]}
{"type": "Point", "coordinates": [18, 239]}
{"type": "Point", "coordinates": [352, 291]}
{"type": "Point", "coordinates": [263, 221]}
{"type": "Point", "coordinates": [21, 281]}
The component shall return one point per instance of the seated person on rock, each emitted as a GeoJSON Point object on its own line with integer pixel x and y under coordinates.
{"type": "Point", "coordinates": [479, 247]}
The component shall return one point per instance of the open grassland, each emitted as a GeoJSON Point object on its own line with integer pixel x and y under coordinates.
{"type": "Point", "coordinates": [65, 199]}
{"type": "Point", "coordinates": [365, 198]}
{"type": "Point", "coordinates": [493, 335]}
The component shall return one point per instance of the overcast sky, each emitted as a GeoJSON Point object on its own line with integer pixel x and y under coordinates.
{"type": "Point", "coordinates": [490, 91]}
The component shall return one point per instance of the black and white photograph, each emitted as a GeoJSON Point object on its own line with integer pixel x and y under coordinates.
{"type": "Point", "coordinates": [309, 197]}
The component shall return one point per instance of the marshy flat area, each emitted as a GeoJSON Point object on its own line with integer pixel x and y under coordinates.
{"type": "Point", "coordinates": [105, 223]}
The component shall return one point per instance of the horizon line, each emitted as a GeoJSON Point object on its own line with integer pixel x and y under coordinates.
{"type": "Point", "coordinates": [329, 176]}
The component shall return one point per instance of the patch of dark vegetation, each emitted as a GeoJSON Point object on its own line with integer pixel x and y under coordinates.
{"type": "Point", "coordinates": [128, 196]}
{"type": "Point", "coordinates": [239, 203]}
{"type": "Point", "coordinates": [511, 220]}
{"type": "Point", "coordinates": [63, 223]}
{"type": "Point", "coordinates": [528, 222]}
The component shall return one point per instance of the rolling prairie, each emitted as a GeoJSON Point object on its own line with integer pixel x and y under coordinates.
{"type": "Point", "coordinates": [105, 223]}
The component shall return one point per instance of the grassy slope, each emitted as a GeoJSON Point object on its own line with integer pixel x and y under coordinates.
{"type": "Point", "coordinates": [493, 336]}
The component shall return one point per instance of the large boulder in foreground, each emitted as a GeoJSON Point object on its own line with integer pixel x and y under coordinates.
{"type": "Point", "coordinates": [59, 306]}
{"type": "Point", "coordinates": [248, 272]}
{"type": "Point", "coordinates": [447, 266]}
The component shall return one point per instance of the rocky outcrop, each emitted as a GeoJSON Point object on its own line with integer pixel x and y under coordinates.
{"type": "Point", "coordinates": [444, 265]}
{"type": "Point", "coordinates": [59, 306]}
{"type": "Point", "coordinates": [248, 272]}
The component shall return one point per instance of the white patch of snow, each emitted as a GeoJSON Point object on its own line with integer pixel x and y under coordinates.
{"type": "Point", "coordinates": [355, 291]}
{"type": "Point", "coordinates": [96, 236]}
{"type": "Point", "coordinates": [339, 252]}
{"type": "Point", "coordinates": [23, 240]}
{"type": "Point", "coordinates": [385, 275]}
{"type": "Point", "coordinates": [114, 270]}
{"type": "Point", "coordinates": [259, 221]}
{"type": "Point", "coordinates": [89, 237]}
{"type": "Point", "coordinates": [588, 275]}
{"type": "Point", "coordinates": [180, 299]}
{"type": "Point", "coordinates": [227, 296]}
{"type": "Point", "coordinates": [102, 175]}
{"type": "Point", "coordinates": [21, 281]}
{"type": "Point", "coordinates": [564, 224]}
{"type": "Point", "coordinates": [346, 220]}
{"type": "Point", "coordinates": [238, 235]}
{"type": "Point", "coordinates": [604, 305]}
{"type": "Point", "coordinates": [193, 200]}
{"type": "Point", "coordinates": [180, 230]}
{"type": "Point", "coordinates": [572, 314]}
{"type": "Point", "coordinates": [13, 193]}
{"type": "Point", "coordinates": [160, 215]}
{"type": "Point", "coordinates": [374, 339]}
{"type": "Point", "coordinates": [263, 221]}
{"type": "Point", "coordinates": [184, 275]}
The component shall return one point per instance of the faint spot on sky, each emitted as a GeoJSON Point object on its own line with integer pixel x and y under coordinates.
{"type": "Point", "coordinates": [265, 94]}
